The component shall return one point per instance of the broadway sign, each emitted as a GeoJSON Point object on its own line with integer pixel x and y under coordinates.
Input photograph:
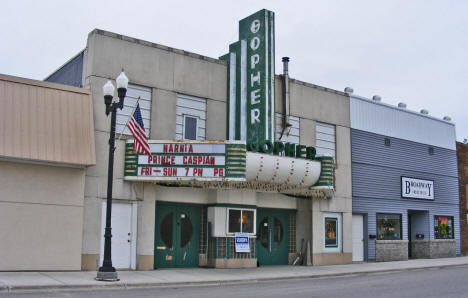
{"type": "Point", "coordinates": [417, 188]}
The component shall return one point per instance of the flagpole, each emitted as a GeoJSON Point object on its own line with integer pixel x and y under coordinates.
{"type": "Point", "coordinates": [128, 120]}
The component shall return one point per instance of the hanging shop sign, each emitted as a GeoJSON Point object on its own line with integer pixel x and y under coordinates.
{"type": "Point", "coordinates": [241, 241]}
{"type": "Point", "coordinates": [417, 188]}
{"type": "Point", "coordinates": [187, 160]}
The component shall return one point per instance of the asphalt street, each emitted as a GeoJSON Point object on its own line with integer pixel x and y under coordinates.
{"type": "Point", "coordinates": [444, 282]}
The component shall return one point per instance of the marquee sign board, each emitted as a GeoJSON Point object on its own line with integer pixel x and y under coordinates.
{"type": "Point", "coordinates": [187, 160]}
{"type": "Point", "coordinates": [251, 80]}
{"type": "Point", "coordinates": [417, 188]}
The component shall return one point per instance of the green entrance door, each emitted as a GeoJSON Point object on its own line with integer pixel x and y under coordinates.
{"type": "Point", "coordinates": [272, 239]}
{"type": "Point", "coordinates": [177, 235]}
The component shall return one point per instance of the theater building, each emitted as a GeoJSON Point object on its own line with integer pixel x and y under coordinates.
{"type": "Point", "coordinates": [405, 183]}
{"type": "Point", "coordinates": [237, 152]}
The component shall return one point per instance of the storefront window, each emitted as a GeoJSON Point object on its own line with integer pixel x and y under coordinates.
{"type": "Point", "coordinates": [388, 226]}
{"type": "Point", "coordinates": [241, 221]}
{"type": "Point", "coordinates": [247, 220]}
{"type": "Point", "coordinates": [443, 227]}
{"type": "Point", "coordinates": [331, 232]}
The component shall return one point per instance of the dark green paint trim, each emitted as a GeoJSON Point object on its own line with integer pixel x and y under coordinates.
{"type": "Point", "coordinates": [233, 206]}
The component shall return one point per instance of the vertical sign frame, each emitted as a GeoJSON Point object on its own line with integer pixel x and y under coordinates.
{"type": "Point", "coordinates": [252, 86]}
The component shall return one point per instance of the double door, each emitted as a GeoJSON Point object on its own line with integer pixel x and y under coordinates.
{"type": "Point", "coordinates": [272, 236]}
{"type": "Point", "coordinates": [176, 235]}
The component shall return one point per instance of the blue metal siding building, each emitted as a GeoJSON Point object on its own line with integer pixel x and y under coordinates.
{"type": "Point", "coordinates": [383, 153]}
{"type": "Point", "coordinates": [70, 73]}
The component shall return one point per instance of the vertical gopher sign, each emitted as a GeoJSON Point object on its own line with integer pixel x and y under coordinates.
{"type": "Point", "coordinates": [251, 92]}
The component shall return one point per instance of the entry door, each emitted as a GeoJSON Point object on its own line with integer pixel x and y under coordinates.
{"type": "Point", "coordinates": [122, 234]}
{"type": "Point", "coordinates": [272, 237]}
{"type": "Point", "coordinates": [358, 239]}
{"type": "Point", "coordinates": [177, 239]}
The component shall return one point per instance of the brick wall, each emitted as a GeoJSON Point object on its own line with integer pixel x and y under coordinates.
{"type": "Point", "coordinates": [433, 249]}
{"type": "Point", "coordinates": [391, 250]}
{"type": "Point", "coordinates": [462, 155]}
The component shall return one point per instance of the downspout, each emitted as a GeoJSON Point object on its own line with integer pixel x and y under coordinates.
{"type": "Point", "coordinates": [285, 90]}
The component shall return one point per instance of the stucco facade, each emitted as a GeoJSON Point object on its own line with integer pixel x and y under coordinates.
{"type": "Point", "coordinates": [42, 173]}
{"type": "Point", "coordinates": [170, 73]}
{"type": "Point", "coordinates": [42, 223]}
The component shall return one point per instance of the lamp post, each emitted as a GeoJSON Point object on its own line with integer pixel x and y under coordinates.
{"type": "Point", "coordinates": [107, 272]}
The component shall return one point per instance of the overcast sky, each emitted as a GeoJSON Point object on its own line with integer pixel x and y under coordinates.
{"type": "Point", "coordinates": [405, 51]}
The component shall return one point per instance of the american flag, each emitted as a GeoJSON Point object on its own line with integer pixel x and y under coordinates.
{"type": "Point", "coordinates": [138, 130]}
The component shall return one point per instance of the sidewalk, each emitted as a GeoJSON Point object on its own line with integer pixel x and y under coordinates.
{"type": "Point", "coordinates": [33, 281]}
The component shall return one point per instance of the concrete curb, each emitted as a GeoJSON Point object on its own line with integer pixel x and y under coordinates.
{"type": "Point", "coordinates": [114, 286]}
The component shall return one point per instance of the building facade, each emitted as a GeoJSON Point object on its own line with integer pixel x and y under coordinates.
{"type": "Point", "coordinates": [462, 156]}
{"type": "Point", "coordinates": [247, 167]}
{"type": "Point", "coordinates": [282, 203]}
{"type": "Point", "coordinates": [46, 143]}
{"type": "Point", "coordinates": [405, 186]}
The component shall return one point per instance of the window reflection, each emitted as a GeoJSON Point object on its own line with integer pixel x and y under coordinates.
{"type": "Point", "coordinates": [166, 229]}
{"type": "Point", "coordinates": [263, 232]}
{"type": "Point", "coordinates": [277, 232]}
{"type": "Point", "coordinates": [241, 221]}
{"type": "Point", "coordinates": [388, 226]}
{"type": "Point", "coordinates": [185, 230]}
{"type": "Point", "coordinates": [234, 221]}
{"type": "Point", "coordinates": [247, 221]}
{"type": "Point", "coordinates": [443, 227]}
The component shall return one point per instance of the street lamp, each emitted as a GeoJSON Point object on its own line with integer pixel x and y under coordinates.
{"type": "Point", "coordinates": [107, 272]}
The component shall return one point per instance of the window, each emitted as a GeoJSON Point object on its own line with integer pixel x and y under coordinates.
{"type": "Point", "coordinates": [443, 227]}
{"type": "Point", "coordinates": [277, 232]}
{"type": "Point", "coordinates": [131, 98]}
{"type": "Point", "coordinates": [325, 139]}
{"type": "Point", "coordinates": [291, 133]}
{"type": "Point", "coordinates": [387, 142]}
{"type": "Point", "coordinates": [431, 150]}
{"type": "Point", "coordinates": [263, 234]}
{"type": "Point", "coordinates": [190, 128]}
{"type": "Point", "coordinates": [190, 118]}
{"type": "Point", "coordinates": [241, 221]}
{"type": "Point", "coordinates": [332, 232]}
{"type": "Point", "coordinates": [186, 230]}
{"type": "Point", "coordinates": [388, 226]}
{"type": "Point", "coordinates": [166, 230]}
